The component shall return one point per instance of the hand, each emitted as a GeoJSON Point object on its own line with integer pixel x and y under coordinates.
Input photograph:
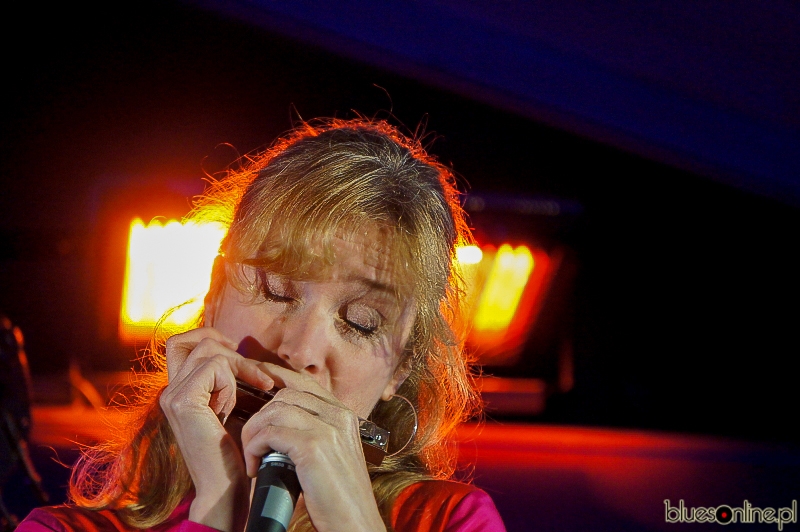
{"type": "Point", "coordinates": [202, 365]}
{"type": "Point", "coordinates": [320, 435]}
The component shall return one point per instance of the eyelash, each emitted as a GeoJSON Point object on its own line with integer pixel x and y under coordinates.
{"type": "Point", "coordinates": [364, 332]}
{"type": "Point", "coordinates": [351, 327]}
{"type": "Point", "coordinates": [267, 293]}
{"type": "Point", "coordinates": [355, 333]}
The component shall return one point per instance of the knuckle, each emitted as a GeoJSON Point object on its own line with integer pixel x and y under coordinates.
{"type": "Point", "coordinates": [247, 434]}
{"type": "Point", "coordinates": [274, 409]}
{"type": "Point", "coordinates": [173, 404]}
{"type": "Point", "coordinates": [220, 361]}
{"type": "Point", "coordinates": [172, 342]}
{"type": "Point", "coordinates": [170, 401]}
{"type": "Point", "coordinates": [206, 344]}
{"type": "Point", "coordinates": [163, 400]}
{"type": "Point", "coordinates": [284, 394]}
{"type": "Point", "coordinates": [254, 427]}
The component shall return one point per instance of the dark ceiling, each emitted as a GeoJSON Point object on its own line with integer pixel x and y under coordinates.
{"type": "Point", "coordinates": [679, 311]}
{"type": "Point", "coordinates": [709, 86]}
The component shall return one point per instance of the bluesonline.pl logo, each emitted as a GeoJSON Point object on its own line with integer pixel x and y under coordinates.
{"type": "Point", "coordinates": [724, 514]}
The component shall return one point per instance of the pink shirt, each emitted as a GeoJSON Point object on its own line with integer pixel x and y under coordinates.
{"type": "Point", "coordinates": [476, 512]}
{"type": "Point", "coordinates": [432, 505]}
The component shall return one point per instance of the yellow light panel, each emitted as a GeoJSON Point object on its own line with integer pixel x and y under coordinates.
{"type": "Point", "coordinates": [469, 254]}
{"type": "Point", "coordinates": [503, 289]}
{"type": "Point", "coordinates": [168, 266]}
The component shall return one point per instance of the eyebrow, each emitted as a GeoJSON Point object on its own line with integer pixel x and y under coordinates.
{"type": "Point", "coordinates": [374, 285]}
{"type": "Point", "coordinates": [356, 278]}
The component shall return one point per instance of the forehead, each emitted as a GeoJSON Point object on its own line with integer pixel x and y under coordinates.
{"type": "Point", "coordinates": [367, 253]}
{"type": "Point", "coordinates": [364, 257]}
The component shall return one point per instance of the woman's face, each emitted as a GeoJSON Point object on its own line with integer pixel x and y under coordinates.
{"type": "Point", "coordinates": [345, 327]}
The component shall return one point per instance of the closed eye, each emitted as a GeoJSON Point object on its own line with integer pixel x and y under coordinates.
{"type": "Point", "coordinates": [362, 319]}
{"type": "Point", "coordinates": [274, 288]}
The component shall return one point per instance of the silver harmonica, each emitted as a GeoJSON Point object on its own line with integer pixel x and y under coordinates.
{"type": "Point", "coordinates": [374, 439]}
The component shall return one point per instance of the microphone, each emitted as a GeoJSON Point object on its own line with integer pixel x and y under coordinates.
{"type": "Point", "coordinates": [275, 495]}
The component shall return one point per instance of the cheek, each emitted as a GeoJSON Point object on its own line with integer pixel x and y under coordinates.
{"type": "Point", "coordinates": [237, 319]}
{"type": "Point", "coordinates": [231, 326]}
{"type": "Point", "coordinates": [362, 380]}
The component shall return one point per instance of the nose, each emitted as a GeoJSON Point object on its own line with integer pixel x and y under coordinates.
{"type": "Point", "coordinates": [305, 342]}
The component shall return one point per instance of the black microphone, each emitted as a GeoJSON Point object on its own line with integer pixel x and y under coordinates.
{"type": "Point", "coordinates": [275, 496]}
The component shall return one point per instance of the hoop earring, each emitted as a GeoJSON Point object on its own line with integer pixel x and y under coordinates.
{"type": "Point", "coordinates": [414, 430]}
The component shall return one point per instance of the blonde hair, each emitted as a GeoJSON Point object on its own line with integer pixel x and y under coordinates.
{"type": "Point", "coordinates": [319, 182]}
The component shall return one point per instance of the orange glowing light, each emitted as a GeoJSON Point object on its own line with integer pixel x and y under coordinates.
{"type": "Point", "coordinates": [168, 268]}
{"type": "Point", "coordinates": [503, 289]}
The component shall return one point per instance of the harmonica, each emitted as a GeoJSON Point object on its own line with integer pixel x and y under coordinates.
{"type": "Point", "coordinates": [374, 439]}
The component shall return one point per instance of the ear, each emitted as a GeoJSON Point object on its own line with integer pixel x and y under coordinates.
{"type": "Point", "coordinates": [401, 373]}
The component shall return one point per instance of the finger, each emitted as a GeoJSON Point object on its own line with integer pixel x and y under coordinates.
{"type": "Point", "coordinates": [286, 429]}
{"type": "Point", "coordinates": [243, 368]}
{"type": "Point", "coordinates": [299, 411]}
{"type": "Point", "coordinates": [207, 379]}
{"type": "Point", "coordinates": [179, 346]}
{"type": "Point", "coordinates": [211, 382]}
{"type": "Point", "coordinates": [226, 370]}
{"type": "Point", "coordinates": [312, 403]}
{"type": "Point", "coordinates": [290, 379]}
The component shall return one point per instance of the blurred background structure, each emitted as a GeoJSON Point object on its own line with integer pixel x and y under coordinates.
{"type": "Point", "coordinates": [646, 157]}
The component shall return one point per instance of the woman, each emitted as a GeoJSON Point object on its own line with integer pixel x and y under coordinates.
{"type": "Point", "coordinates": [338, 265]}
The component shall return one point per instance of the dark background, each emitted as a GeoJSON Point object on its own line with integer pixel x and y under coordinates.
{"type": "Point", "coordinates": [683, 313]}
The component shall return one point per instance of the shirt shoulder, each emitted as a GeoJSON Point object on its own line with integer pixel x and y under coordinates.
{"type": "Point", "coordinates": [445, 506]}
{"type": "Point", "coordinates": [476, 512]}
{"type": "Point", "coordinates": [69, 518]}
{"type": "Point", "coordinates": [40, 520]}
